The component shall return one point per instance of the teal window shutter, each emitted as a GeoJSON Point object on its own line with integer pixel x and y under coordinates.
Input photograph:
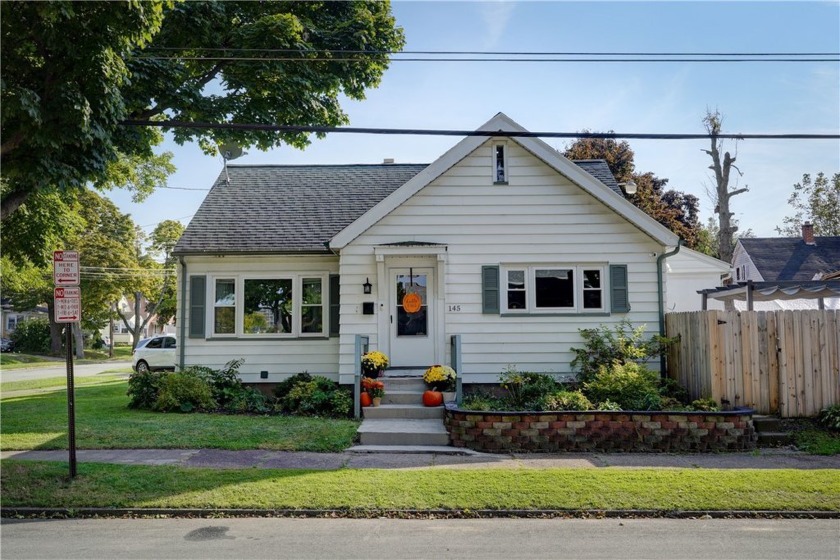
{"type": "Point", "coordinates": [490, 290]}
{"type": "Point", "coordinates": [198, 303]}
{"type": "Point", "coordinates": [619, 291]}
{"type": "Point", "coordinates": [335, 304]}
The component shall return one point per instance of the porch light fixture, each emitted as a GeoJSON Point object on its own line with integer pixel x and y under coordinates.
{"type": "Point", "coordinates": [629, 187]}
{"type": "Point", "coordinates": [367, 286]}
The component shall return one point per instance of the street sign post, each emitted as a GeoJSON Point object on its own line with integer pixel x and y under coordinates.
{"type": "Point", "coordinates": [67, 308]}
{"type": "Point", "coordinates": [68, 305]}
{"type": "Point", "coordinates": [66, 268]}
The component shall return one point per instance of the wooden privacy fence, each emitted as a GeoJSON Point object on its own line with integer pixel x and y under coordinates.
{"type": "Point", "coordinates": [777, 362]}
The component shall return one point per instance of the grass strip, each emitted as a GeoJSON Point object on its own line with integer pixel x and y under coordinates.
{"type": "Point", "coordinates": [104, 421]}
{"type": "Point", "coordinates": [60, 382]}
{"type": "Point", "coordinates": [45, 484]}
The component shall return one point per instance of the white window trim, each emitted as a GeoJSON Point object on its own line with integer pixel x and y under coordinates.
{"type": "Point", "coordinates": [297, 306]}
{"type": "Point", "coordinates": [531, 295]}
{"type": "Point", "coordinates": [211, 300]}
{"type": "Point", "coordinates": [493, 169]}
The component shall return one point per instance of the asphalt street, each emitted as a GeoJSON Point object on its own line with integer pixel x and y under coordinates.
{"type": "Point", "coordinates": [255, 538]}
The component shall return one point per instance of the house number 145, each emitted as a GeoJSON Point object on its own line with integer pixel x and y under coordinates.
{"type": "Point", "coordinates": [454, 307]}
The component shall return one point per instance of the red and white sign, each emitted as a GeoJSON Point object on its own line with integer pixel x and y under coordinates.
{"type": "Point", "coordinates": [66, 268]}
{"type": "Point", "coordinates": [68, 305]}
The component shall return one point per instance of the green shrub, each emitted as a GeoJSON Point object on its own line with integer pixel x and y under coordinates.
{"type": "Point", "coordinates": [632, 386]}
{"type": "Point", "coordinates": [482, 401]}
{"type": "Point", "coordinates": [184, 392]}
{"type": "Point", "coordinates": [282, 389]}
{"type": "Point", "coordinates": [567, 400]}
{"type": "Point", "coordinates": [704, 405]}
{"type": "Point", "coordinates": [225, 385]}
{"type": "Point", "coordinates": [527, 390]}
{"type": "Point", "coordinates": [620, 343]}
{"type": "Point", "coordinates": [830, 417]}
{"type": "Point", "coordinates": [671, 388]}
{"type": "Point", "coordinates": [32, 335]}
{"type": "Point", "coordinates": [143, 389]}
{"type": "Point", "coordinates": [608, 405]}
{"type": "Point", "coordinates": [317, 397]}
{"type": "Point", "coordinates": [248, 401]}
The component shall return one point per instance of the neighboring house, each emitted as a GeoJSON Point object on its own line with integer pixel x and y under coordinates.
{"type": "Point", "coordinates": [787, 260]}
{"type": "Point", "coordinates": [10, 318]}
{"type": "Point", "coordinates": [502, 241]}
{"type": "Point", "coordinates": [688, 272]}
{"type": "Point", "coordinates": [121, 333]}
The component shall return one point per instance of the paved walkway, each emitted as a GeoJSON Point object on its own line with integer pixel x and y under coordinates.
{"type": "Point", "coordinates": [408, 458]}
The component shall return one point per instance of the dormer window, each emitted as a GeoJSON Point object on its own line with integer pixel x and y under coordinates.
{"type": "Point", "coordinates": [500, 176]}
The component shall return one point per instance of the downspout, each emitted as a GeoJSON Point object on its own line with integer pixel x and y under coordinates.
{"type": "Point", "coordinates": [182, 322]}
{"type": "Point", "coordinates": [661, 292]}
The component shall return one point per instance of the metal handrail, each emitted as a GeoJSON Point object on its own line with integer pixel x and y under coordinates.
{"type": "Point", "coordinates": [456, 365]}
{"type": "Point", "coordinates": [361, 348]}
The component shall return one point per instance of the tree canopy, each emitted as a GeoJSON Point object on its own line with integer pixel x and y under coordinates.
{"type": "Point", "coordinates": [73, 71]}
{"type": "Point", "coordinates": [817, 201]}
{"type": "Point", "coordinates": [674, 209]}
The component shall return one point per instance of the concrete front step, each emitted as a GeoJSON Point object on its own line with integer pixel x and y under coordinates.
{"type": "Point", "coordinates": [774, 439]}
{"type": "Point", "coordinates": [765, 423]}
{"type": "Point", "coordinates": [404, 411]}
{"type": "Point", "coordinates": [402, 397]}
{"type": "Point", "coordinates": [404, 384]}
{"type": "Point", "coordinates": [416, 449]}
{"type": "Point", "coordinates": [403, 432]}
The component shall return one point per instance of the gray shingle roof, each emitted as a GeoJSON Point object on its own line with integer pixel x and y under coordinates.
{"type": "Point", "coordinates": [269, 209]}
{"type": "Point", "coordinates": [287, 208]}
{"type": "Point", "coordinates": [781, 259]}
{"type": "Point", "coordinates": [599, 169]}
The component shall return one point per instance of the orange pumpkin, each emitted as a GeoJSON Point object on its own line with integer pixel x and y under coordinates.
{"type": "Point", "coordinates": [365, 399]}
{"type": "Point", "coordinates": [432, 398]}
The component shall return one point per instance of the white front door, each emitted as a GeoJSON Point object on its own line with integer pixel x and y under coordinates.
{"type": "Point", "coordinates": [411, 317]}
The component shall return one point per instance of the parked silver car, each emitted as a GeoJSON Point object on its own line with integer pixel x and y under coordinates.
{"type": "Point", "coordinates": [155, 353]}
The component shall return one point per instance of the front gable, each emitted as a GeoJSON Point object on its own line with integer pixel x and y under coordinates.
{"type": "Point", "coordinates": [539, 149]}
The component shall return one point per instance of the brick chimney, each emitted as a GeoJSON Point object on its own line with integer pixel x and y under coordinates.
{"type": "Point", "coordinates": [808, 233]}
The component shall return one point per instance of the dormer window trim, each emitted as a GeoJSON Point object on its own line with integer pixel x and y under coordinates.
{"type": "Point", "coordinates": [500, 170]}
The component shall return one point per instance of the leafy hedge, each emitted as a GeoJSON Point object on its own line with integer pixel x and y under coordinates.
{"type": "Point", "coordinates": [199, 388]}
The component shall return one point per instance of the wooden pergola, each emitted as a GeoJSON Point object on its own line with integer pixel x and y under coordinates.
{"type": "Point", "coordinates": [773, 291]}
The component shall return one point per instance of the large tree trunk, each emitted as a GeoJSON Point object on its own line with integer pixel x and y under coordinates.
{"type": "Point", "coordinates": [722, 169]}
{"type": "Point", "coordinates": [56, 330]}
{"type": "Point", "coordinates": [79, 337]}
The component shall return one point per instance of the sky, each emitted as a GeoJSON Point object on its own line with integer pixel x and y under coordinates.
{"type": "Point", "coordinates": [754, 98]}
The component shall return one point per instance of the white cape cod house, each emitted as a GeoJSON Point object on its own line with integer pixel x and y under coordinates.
{"type": "Point", "coordinates": [502, 241]}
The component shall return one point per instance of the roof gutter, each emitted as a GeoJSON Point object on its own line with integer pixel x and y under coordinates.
{"type": "Point", "coordinates": [661, 292]}
{"type": "Point", "coordinates": [182, 322]}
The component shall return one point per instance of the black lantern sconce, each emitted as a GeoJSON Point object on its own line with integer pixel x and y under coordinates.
{"type": "Point", "coordinates": [367, 286]}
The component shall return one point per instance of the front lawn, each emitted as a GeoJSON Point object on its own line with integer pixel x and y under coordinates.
{"type": "Point", "coordinates": [13, 360]}
{"type": "Point", "coordinates": [103, 421]}
{"type": "Point", "coordinates": [45, 484]}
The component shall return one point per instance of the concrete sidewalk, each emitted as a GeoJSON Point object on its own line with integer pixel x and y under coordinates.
{"type": "Point", "coordinates": [411, 458]}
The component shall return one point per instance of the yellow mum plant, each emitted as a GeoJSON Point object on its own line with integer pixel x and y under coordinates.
{"type": "Point", "coordinates": [440, 378]}
{"type": "Point", "coordinates": [373, 363]}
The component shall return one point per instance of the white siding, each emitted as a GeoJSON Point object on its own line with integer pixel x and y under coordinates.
{"type": "Point", "coordinates": [740, 258]}
{"type": "Point", "coordinates": [281, 357]}
{"type": "Point", "coordinates": [540, 218]}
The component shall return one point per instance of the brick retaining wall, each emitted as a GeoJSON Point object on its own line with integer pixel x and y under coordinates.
{"type": "Point", "coordinates": [600, 431]}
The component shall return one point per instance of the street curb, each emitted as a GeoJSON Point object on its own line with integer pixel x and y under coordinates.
{"type": "Point", "coordinates": [60, 513]}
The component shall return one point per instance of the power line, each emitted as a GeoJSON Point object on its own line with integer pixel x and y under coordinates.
{"type": "Point", "coordinates": [492, 53]}
{"type": "Point", "coordinates": [474, 59]}
{"type": "Point", "coordinates": [483, 133]}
